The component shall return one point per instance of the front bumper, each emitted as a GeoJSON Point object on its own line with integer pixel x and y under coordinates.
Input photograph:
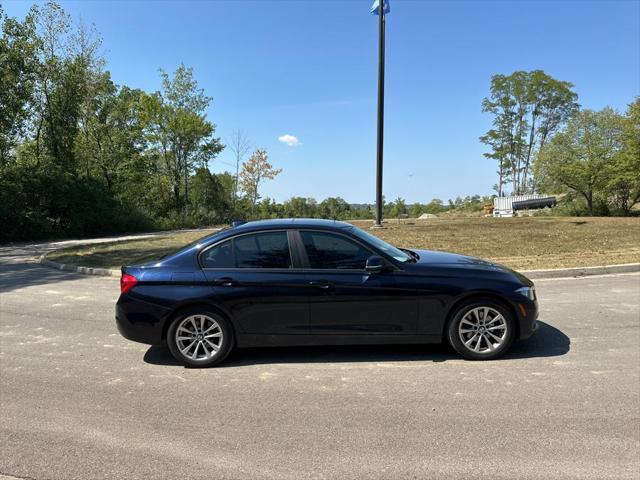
{"type": "Point", "coordinates": [528, 316]}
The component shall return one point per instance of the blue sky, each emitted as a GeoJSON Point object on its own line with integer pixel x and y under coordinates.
{"type": "Point", "coordinates": [309, 69]}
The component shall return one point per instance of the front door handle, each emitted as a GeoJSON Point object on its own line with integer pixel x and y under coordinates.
{"type": "Point", "coordinates": [224, 281]}
{"type": "Point", "coordinates": [320, 284]}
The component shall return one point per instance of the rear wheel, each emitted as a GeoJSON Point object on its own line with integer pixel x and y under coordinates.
{"type": "Point", "coordinates": [199, 338]}
{"type": "Point", "coordinates": [481, 330]}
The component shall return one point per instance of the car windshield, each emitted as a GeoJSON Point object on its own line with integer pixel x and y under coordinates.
{"type": "Point", "coordinates": [380, 244]}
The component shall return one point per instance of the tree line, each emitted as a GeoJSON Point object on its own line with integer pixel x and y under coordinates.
{"type": "Point", "coordinates": [81, 155]}
{"type": "Point", "coordinates": [338, 209]}
{"type": "Point", "coordinates": [544, 142]}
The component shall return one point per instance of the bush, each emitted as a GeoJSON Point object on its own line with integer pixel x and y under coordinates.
{"type": "Point", "coordinates": [39, 205]}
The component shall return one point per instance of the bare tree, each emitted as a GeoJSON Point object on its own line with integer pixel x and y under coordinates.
{"type": "Point", "coordinates": [240, 146]}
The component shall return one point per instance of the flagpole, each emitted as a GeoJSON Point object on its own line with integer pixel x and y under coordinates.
{"type": "Point", "coordinates": [379, 152]}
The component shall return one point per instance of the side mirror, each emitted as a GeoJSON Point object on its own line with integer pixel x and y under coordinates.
{"type": "Point", "coordinates": [375, 264]}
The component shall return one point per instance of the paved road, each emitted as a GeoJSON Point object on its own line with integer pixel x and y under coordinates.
{"type": "Point", "coordinates": [79, 401]}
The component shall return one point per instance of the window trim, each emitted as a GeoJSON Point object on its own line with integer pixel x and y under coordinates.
{"type": "Point", "coordinates": [305, 258]}
{"type": "Point", "coordinates": [232, 238]}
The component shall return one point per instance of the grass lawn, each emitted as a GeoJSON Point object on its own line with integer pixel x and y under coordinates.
{"type": "Point", "coordinates": [523, 243]}
{"type": "Point", "coordinates": [128, 252]}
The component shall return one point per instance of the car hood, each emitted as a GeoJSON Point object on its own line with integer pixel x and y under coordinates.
{"type": "Point", "coordinates": [444, 258]}
{"type": "Point", "coordinates": [429, 258]}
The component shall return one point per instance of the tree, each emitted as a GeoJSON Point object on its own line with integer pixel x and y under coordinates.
{"type": "Point", "coordinates": [334, 208]}
{"type": "Point", "coordinates": [499, 151]}
{"type": "Point", "coordinates": [397, 207]}
{"type": "Point", "coordinates": [228, 183]}
{"type": "Point", "coordinates": [624, 175]}
{"type": "Point", "coordinates": [57, 96]}
{"type": "Point", "coordinates": [81, 155]}
{"type": "Point", "coordinates": [528, 108]}
{"type": "Point", "coordinates": [255, 171]}
{"type": "Point", "coordinates": [112, 137]}
{"type": "Point", "coordinates": [300, 207]}
{"type": "Point", "coordinates": [179, 131]}
{"type": "Point", "coordinates": [208, 197]}
{"type": "Point", "coordinates": [582, 157]}
{"type": "Point", "coordinates": [239, 144]}
{"type": "Point", "coordinates": [434, 207]}
{"type": "Point", "coordinates": [18, 61]}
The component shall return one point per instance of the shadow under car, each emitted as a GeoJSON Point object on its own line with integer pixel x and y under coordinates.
{"type": "Point", "coordinates": [548, 341]}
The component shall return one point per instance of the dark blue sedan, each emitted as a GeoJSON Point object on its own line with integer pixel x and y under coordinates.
{"type": "Point", "coordinates": [320, 282]}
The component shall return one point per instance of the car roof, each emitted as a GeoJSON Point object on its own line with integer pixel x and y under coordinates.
{"type": "Point", "coordinates": [290, 223]}
{"type": "Point", "coordinates": [254, 226]}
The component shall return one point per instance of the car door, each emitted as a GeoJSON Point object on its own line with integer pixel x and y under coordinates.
{"type": "Point", "coordinates": [344, 298]}
{"type": "Point", "coordinates": [255, 279]}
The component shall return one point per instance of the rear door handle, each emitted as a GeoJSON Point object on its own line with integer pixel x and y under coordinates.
{"type": "Point", "coordinates": [320, 284]}
{"type": "Point", "coordinates": [224, 281]}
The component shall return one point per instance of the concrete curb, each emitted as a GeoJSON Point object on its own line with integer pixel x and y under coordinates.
{"type": "Point", "coordinates": [532, 274]}
{"type": "Point", "coordinates": [581, 271]}
{"type": "Point", "coordinates": [104, 272]}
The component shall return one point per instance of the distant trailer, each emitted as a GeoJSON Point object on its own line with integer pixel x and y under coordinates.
{"type": "Point", "coordinates": [503, 206]}
{"type": "Point", "coordinates": [534, 204]}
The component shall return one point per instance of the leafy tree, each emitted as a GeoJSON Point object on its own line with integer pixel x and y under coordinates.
{"type": "Point", "coordinates": [18, 62]}
{"type": "Point", "coordinates": [65, 127]}
{"type": "Point", "coordinates": [177, 128]}
{"type": "Point", "coordinates": [254, 172]}
{"type": "Point", "coordinates": [528, 108]}
{"type": "Point", "coordinates": [499, 152]}
{"type": "Point", "coordinates": [397, 207]}
{"type": "Point", "coordinates": [334, 208]}
{"type": "Point", "coordinates": [623, 186]}
{"type": "Point", "coordinates": [111, 137]}
{"type": "Point", "coordinates": [582, 157]}
{"type": "Point", "coordinates": [435, 206]}
{"type": "Point", "coordinates": [208, 198]}
{"type": "Point", "coordinates": [300, 207]}
{"type": "Point", "coordinates": [227, 183]}
{"type": "Point", "coordinates": [57, 93]}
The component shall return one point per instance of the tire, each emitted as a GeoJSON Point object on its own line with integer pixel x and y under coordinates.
{"type": "Point", "coordinates": [194, 335]}
{"type": "Point", "coordinates": [476, 326]}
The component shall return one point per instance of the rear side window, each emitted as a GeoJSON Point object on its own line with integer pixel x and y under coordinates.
{"type": "Point", "coordinates": [261, 250]}
{"type": "Point", "coordinates": [330, 251]}
{"type": "Point", "coordinates": [220, 256]}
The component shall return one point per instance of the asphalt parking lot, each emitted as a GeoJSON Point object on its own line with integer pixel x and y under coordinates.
{"type": "Point", "coordinates": [79, 401]}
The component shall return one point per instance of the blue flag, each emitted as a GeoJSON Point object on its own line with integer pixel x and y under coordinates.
{"type": "Point", "coordinates": [375, 8]}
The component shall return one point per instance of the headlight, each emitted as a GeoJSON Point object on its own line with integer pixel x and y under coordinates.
{"type": "Point", "coordinates": [529, 292]}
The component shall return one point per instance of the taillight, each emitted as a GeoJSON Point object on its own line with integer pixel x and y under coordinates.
{"type": "Point", "coordinates": [127, 282]}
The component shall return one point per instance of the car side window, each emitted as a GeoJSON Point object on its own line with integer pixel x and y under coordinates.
{"type": "Point", "coordinates": [262, 250]}
{"type": "Point", "coordinates": [220, 256]}
{"type": "Point", "coordinates": [330, 251]}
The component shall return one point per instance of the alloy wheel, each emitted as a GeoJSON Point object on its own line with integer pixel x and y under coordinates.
{"type": "Point", "coordinates": [199, 337]}
{"type": "Point", "coordinates": [483, 330]}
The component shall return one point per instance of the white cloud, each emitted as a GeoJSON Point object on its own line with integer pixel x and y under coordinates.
{"type": "Point", "coordinates": [290, 140]}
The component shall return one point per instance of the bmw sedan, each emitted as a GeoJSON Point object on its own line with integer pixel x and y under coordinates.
{"type": "Point", "coordinates": [320, 282]}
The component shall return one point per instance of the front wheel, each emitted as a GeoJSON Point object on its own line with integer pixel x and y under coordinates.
{"type": "Point", "coordinates": [481, 330]}
{"type": "Point", "coordinates": [199, 338]}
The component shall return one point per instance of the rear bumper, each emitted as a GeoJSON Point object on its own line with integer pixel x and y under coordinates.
{"type": "Point", "coordinates": [140, 321]}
